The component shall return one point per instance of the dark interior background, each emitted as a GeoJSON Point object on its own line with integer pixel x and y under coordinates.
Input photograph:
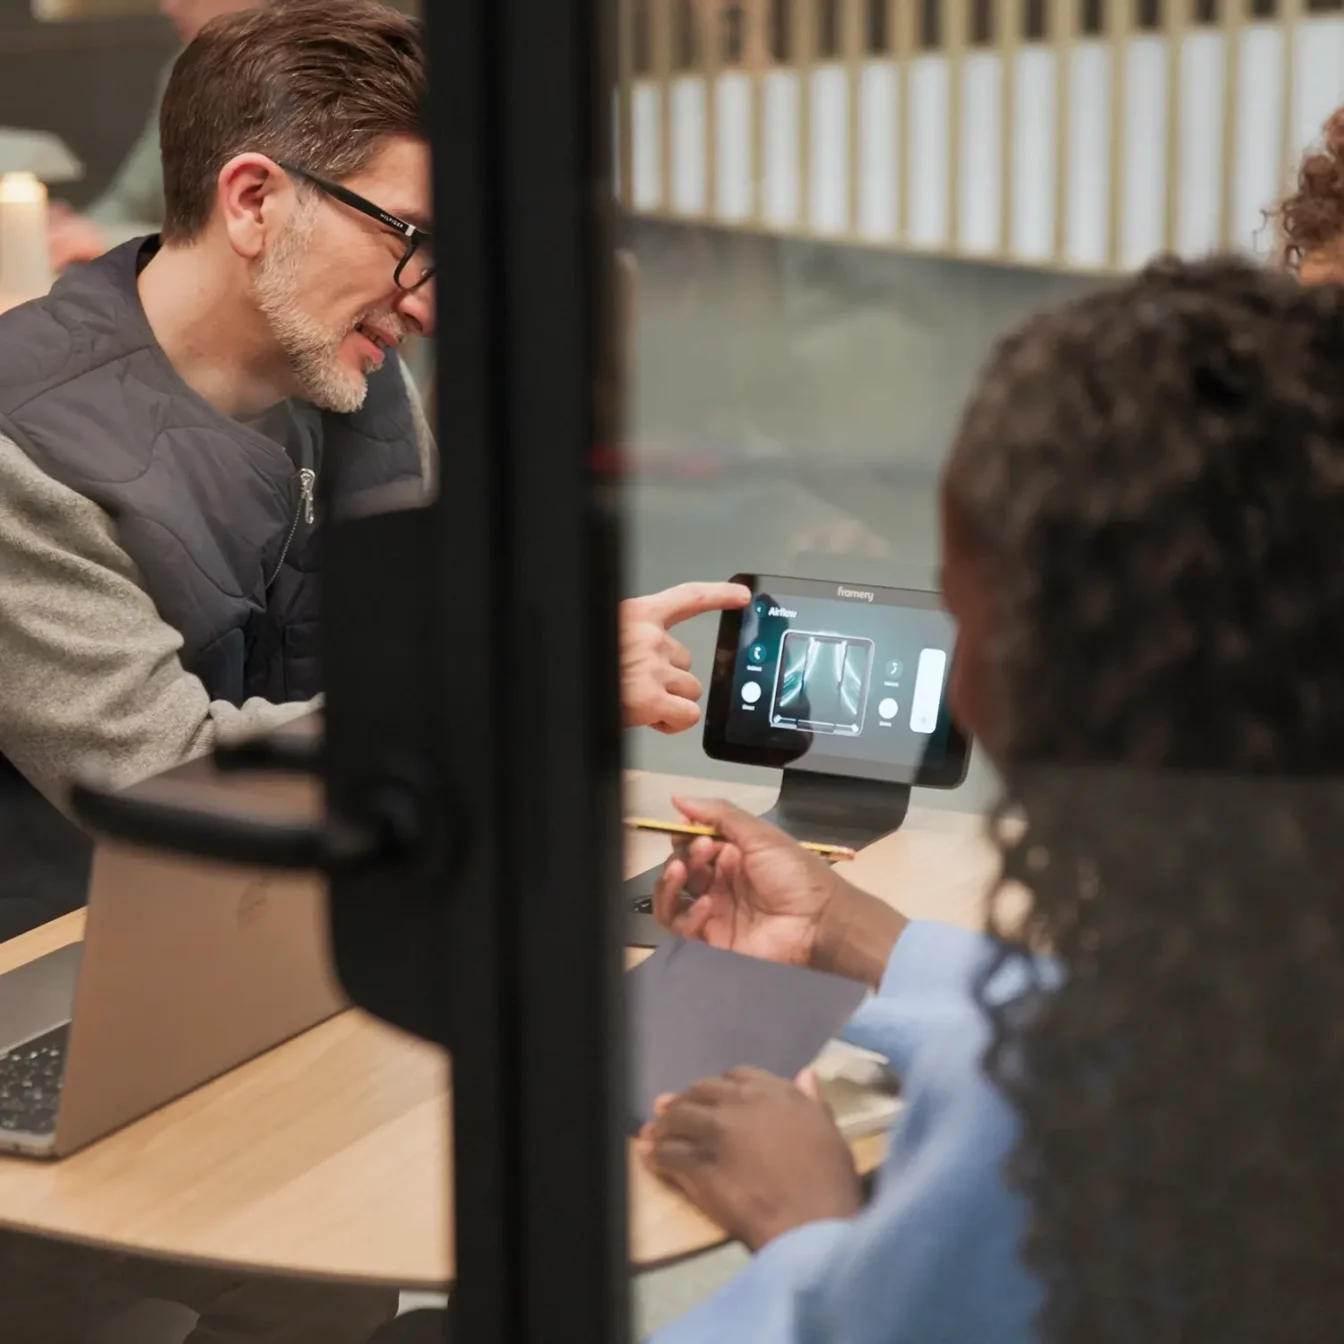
{"type": "Point", "coordinates": [88, 80]}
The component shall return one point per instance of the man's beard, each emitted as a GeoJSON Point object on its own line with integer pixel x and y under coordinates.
{"type": "Point", "coordinates": [312, 348]}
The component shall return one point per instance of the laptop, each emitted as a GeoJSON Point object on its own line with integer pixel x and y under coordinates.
{"type": "Point", "coordinates": [186, 970]}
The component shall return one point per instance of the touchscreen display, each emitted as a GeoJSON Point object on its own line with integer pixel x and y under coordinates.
{"type": "Point", "coordinates": [840, 678]}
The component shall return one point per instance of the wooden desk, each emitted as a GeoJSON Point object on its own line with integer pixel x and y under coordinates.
{"type": "Point", "coordinates": [326, 1158]}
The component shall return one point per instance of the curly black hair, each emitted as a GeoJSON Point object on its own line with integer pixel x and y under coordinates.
{"type": "Point", "coordinates": [1155, 476]}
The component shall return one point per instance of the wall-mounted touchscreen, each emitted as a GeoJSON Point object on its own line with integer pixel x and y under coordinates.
{"type": "Point", "coordinates": [844, 679]}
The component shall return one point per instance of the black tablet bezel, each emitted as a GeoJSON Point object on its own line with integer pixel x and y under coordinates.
{"type": "Point", "coordinates": [948, 773]}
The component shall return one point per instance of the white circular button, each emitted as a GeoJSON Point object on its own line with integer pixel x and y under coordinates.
{"type": "Point", "coordinates": [887, 709]}
{"type": "Point", "coordinates": [751, 692]}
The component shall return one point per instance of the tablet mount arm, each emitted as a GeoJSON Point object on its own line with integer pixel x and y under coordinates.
{"type": "Point", "coordinates": [837, 810]}
{"type": "Point", "coordinates": [822, 809]}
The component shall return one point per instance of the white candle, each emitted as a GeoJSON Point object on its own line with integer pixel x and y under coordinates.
{"type": "Point", "coordinates": [25, 257]}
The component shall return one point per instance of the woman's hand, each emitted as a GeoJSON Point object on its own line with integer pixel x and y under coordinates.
{"type": "Point", "coordinates": [757, 892]}
{"type": "Point", "coordinates": [758, 1155]}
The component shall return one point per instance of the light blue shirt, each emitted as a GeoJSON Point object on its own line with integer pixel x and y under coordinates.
{"type": "Point", "coordinates": [934, 1259]}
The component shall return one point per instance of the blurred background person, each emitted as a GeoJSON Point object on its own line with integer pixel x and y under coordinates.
{"type": "Point", "coordinates": [1311, 217]}
{"type": "Point", "coordinates": [132, 205]}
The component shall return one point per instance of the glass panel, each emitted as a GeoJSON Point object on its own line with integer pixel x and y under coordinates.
{"type": "Point", "coordinates": [792, 401]}
{"type": "Point", "coordinates": [803, 363]}
{"type": "Point", "coordinates": [80, 87]}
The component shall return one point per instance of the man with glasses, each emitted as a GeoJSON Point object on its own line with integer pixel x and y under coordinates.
{"type": "Point", "coordinates": [167, 412]}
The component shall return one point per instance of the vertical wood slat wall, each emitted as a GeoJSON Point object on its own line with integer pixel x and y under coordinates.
{"type": "Point", "coordinates": [830, 103]}
{"type": "Point", "coordinates": [1007, 40]}
{"type": "Point", "coordinates": [1117, 30]}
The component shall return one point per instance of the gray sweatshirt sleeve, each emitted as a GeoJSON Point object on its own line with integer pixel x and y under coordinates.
{"type": "Point", "coordinates": [90, 674]}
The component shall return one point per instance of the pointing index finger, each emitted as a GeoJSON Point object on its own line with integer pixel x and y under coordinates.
{"type": "Point", "coordinates": [678, 604]}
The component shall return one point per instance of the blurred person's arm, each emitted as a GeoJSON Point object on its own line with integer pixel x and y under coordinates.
{"type": "Point", "coordinates": [132, 204]}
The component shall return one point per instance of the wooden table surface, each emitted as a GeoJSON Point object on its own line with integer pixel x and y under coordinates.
{"type": "Point", "coordinates": [328, 1158]}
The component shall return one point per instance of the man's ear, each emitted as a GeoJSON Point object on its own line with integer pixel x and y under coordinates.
{"type": "Point", "coordinates": [249, 191]}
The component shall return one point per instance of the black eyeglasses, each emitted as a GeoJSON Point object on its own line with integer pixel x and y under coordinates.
{"type": "Point", "coordinates": [416, 267]}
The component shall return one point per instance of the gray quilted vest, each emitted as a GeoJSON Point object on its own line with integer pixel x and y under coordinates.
{"type": "Point", "coordinates": [218, 517]}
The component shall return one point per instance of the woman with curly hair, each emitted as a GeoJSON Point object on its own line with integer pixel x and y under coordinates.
{"type": "Point", "coordinates": [1310, 218]}
{"type": "Point", "coordinates": [1138, 1139]}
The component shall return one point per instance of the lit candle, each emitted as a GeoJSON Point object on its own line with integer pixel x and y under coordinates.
{"type": "Point", "coordinates": [25, 258]}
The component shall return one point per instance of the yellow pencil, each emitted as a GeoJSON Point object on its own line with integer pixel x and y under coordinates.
{"type": "Point", "coordinates": [835, 853]}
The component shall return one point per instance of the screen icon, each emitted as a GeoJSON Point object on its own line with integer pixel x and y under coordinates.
{"type": "Point", "coordinates": [894, 669]}
{"type": "Point", "coordinates": [887, 709]}
{"type": "Point", "coordinates": [751, 692]}
{"type": "Point", "coordinates": [756, 653]}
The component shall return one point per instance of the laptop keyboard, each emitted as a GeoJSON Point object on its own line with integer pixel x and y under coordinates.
{"type": "Point", "coordinates": [30, 1083]}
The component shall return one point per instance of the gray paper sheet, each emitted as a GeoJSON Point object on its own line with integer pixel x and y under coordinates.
{"type": "Point", "coordinates": [695, 1012]}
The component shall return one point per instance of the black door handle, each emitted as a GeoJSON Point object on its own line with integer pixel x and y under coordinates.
{"type": "Point", "coordinates": [255, 842]}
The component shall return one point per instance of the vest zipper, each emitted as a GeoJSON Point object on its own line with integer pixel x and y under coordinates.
{"type": "Point", "coordinates": [304, 511]}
